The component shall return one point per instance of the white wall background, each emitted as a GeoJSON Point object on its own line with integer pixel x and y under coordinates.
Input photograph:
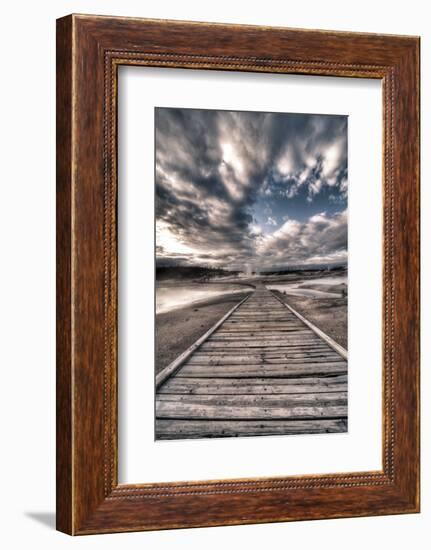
{"type": "Point", "coordinates": [27, 297]}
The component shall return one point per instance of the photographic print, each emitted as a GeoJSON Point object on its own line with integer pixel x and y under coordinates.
{"type": "Point", "coordinates": [251, 273]}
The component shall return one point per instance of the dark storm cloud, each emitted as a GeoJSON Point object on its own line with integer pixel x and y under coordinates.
{"type": "Point", "coordinates": [227, 183]}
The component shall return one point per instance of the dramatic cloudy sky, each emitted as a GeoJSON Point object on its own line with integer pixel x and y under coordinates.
{"type": "Point", "coordinates": [248, 189]}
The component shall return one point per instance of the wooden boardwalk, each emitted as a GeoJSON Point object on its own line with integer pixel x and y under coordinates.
{"type": "Point", "coordinates": [262, 370]}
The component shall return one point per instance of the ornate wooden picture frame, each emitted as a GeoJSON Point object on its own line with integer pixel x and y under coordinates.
{"type": "Point", "coordinates": [89, 51]}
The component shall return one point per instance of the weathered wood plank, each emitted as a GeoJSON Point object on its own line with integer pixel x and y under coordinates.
{"type": "Point", "coordinates": [285, 342]}
{"type": "Point", "coordinates": [281, 352]}
{"type": "Point", "coordinates": [266, 316]}
{"type": "Point", "coordinates": [271, 400]}
{"type": "Point", "coordinates": [243, 350]}
{"type": "Point", "coordinates": [176, 409]}
{"type": "Point", "coordinates": [266, 321]}
{"type": "Point", "coordinates": [262, 325]}
{"type": "Point", "coordinates": [266, 336]}
{"type": "Point", "coordinates": [256, 355]}
{"type": "Point", "coordinates": [326, 381]}
{"type": "Point", "coordinates": [276, 352]}
{"type": "Point", "coordinates": [262, 317]}
{"type": "Point", "coordinates": [251, 371]}
{"type": "Point", "coordinates": [298, 336]}
{"type": "Point", "coordinates": [302, 339]}
{"type": "Point", "coordinates": [244, 387]}
{"type": "Point", "coordinates": [265, 310]}
{"type": "Point", "coordinates": [261, 312]}
{"type": "Point", "coordinates": [252, 335]}
{"type": "Point", "coordinates": [266, 329]}
{"type": "Point", "coordinates": [244, 335]}
{"type": "Point", "coordinates": [229, 360]}
{"type": "Point", "coordinates": [193, 429]}
{"type": "Point", "coordinates": [281, 326]}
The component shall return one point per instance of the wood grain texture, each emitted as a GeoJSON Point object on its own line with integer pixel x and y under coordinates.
{"type": "Point", "coordinates": [192, 429]}
{"type": "Point", "coordinates": [89, 499]}
{"type": "Point", "coordinates": [256, 359]}
{"type": "Point", "coordinates": [64, 449]}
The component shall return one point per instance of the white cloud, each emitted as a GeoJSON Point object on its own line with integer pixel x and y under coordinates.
{"type": "Point", "coordinates": [321, 239]}
{"type": "Point", "coordinates": [332, 159]}
{"type": "Point", "coordinates": [255, 229]}
{"type": "Point", "coordinates": [290, 229]}
{"type": "Point", "coordinates": [286, 163]}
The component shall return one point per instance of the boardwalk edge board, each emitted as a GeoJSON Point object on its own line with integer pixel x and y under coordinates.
{"type": "Point", "coordinates": [332, 343]}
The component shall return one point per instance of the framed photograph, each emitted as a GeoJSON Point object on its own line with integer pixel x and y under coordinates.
{"type": "Point", "coordinates": [237, 274]}
{"type": "Point", "coordinates": [256, 213]}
